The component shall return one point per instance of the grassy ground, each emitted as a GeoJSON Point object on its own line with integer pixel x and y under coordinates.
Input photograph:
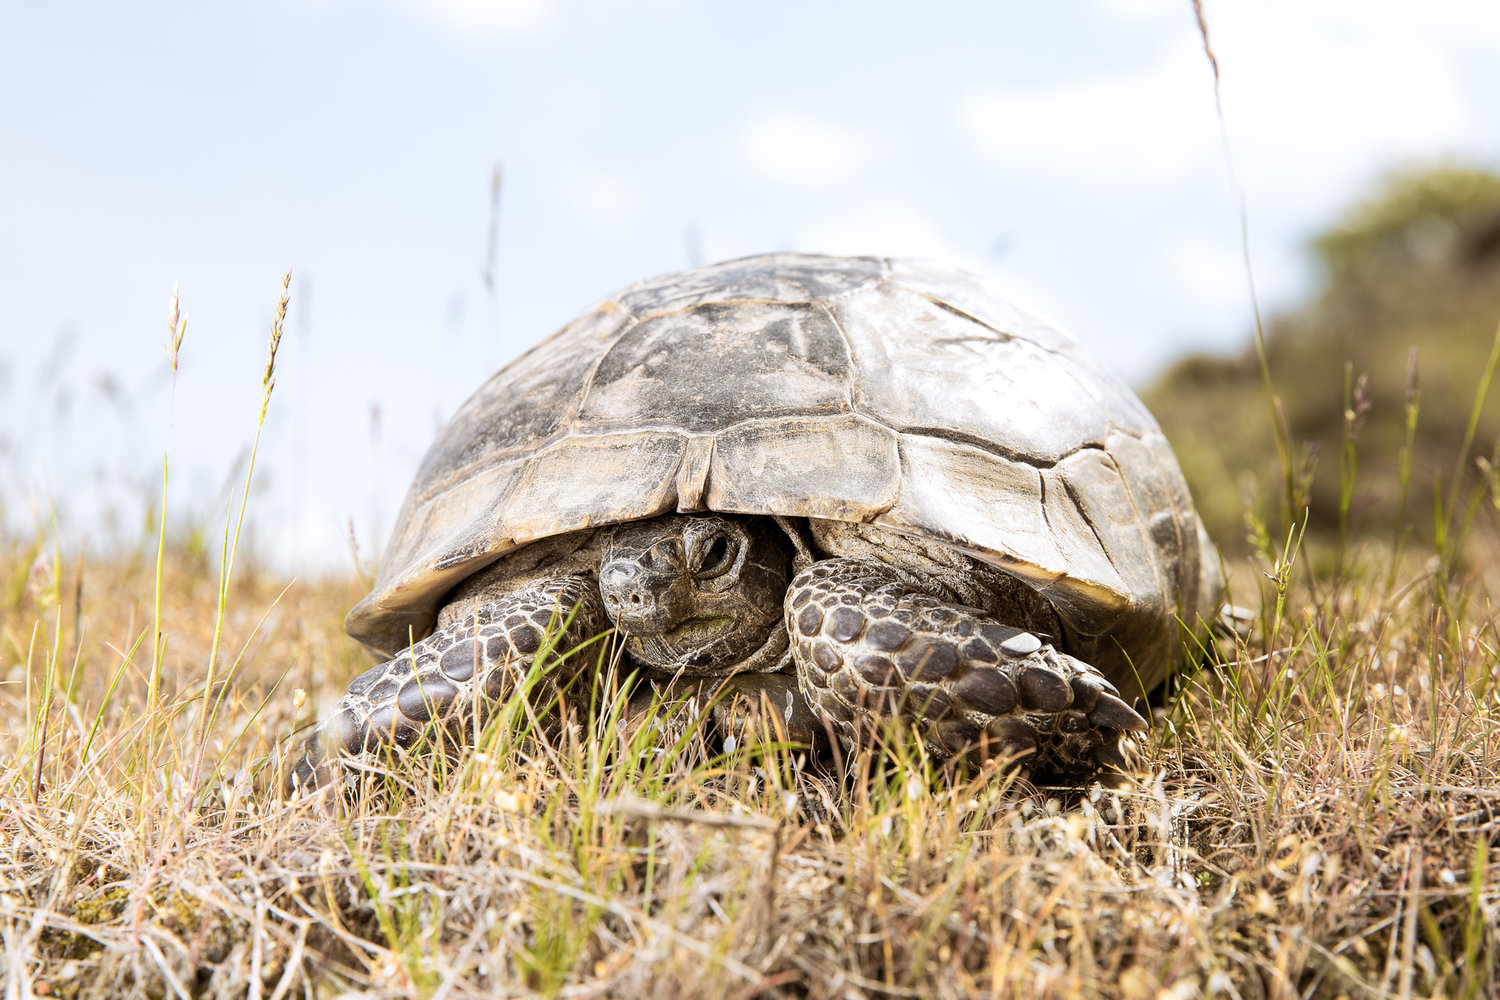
{"type": "Point", "coordinates": [1317, 814]}
{"type": "Point", "coordinates": [1317, 817]}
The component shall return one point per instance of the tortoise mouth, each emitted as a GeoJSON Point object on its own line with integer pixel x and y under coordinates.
{"type": "Point", "coordinates": [689, 634]}
{"type": "Point", "coordinates": [646, 621]}
{"type": "Point", "coordinates": [701, 624]}
{"type": "Point", "coordinates": [703, 641]}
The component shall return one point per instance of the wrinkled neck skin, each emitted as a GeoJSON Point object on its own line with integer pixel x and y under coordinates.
{"type": "Point", "coordinates": [942, 571]}
{"type": "Point", "coordinates": [698, 594]}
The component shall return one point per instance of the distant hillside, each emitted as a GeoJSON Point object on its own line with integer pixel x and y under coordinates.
{"type": "Point", "coordinates": [1415, 266]}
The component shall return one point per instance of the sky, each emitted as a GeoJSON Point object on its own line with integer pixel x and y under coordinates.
{"type": "Point", "coordinates": [1070, 153]}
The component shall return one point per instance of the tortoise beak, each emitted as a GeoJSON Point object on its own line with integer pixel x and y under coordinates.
{"type": "Point", "coordinates": [641, 602]}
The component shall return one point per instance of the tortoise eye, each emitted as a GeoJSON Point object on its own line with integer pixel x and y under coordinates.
{"type": "Point", "coordinates": [665, 555]}
{"type": "Point", "coordinates": [718, 557]}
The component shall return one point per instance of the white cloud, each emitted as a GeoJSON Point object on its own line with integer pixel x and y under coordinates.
{"type": "Point", "coordinates": [1312, 108]}
{"type": "Point", "coordinates": [502, 17]}
{"type": "Point", "coordinates": [600, 197]}
{"type": "Point", "coordinates": [1321, 107]}
{"type": "Point", "coordinates": [1120, 130]}
{"type": "Point", "coordinates": [802, 151]}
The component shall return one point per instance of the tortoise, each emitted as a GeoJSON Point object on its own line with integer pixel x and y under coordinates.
{"type": "Point", "coordinates": [869, 487]}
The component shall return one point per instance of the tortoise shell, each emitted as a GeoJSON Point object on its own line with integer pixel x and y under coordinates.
{"type": "Point", "coordinates": [895, 392]}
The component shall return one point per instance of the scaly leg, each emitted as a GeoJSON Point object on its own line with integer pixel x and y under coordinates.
{"type": "Point", "coordinates": [480, 659]}
{"type": "Point", "coordinates": [868, 646]}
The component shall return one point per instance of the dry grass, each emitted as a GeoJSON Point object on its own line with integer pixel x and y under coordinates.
{"type": "Point", "coordinates": [1317, 815]}
{"type": "Point", "coordinates": [1318, 819]}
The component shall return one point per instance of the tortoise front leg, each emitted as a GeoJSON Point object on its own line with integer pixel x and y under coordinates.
{"type": "Point", "coordinates": [452, 675]}
{"type": "Point", "coordinates": [869, 646]}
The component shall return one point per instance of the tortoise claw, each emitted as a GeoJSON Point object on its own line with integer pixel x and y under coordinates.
{"type": "Point", "coordinates": [1124, 755]}
{"type": "Point", "coordinates": [1111, 755]}
{"type": "Point", "coordinates": [1113, 713]}
{"type": "Point", "coordinates": [309, 768]}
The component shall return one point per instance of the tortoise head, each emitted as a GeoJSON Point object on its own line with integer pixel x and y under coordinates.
{"type": "Point", "coordinates": [695, 592]}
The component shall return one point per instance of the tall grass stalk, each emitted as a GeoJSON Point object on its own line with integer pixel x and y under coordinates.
{"type": "Point", "coordinates": [1443, 526]}
{"type": "Point", "coordinates": [231, 543]}
{"type": "Point", "coordinates": [1356, 405]}
{"type": "Point", "coordinates": [1292, 495]}
{"type": "Point", "coordinates": [1403, 466]}
{"type": "Point", "coordinates": [176, 331]}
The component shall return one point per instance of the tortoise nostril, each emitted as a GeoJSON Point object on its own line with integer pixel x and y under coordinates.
{"type": "Point", "coordinates": [635, 598]}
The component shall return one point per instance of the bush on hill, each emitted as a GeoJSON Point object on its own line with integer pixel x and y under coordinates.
{"type": "Point", "coordinates": [1403, 325]}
